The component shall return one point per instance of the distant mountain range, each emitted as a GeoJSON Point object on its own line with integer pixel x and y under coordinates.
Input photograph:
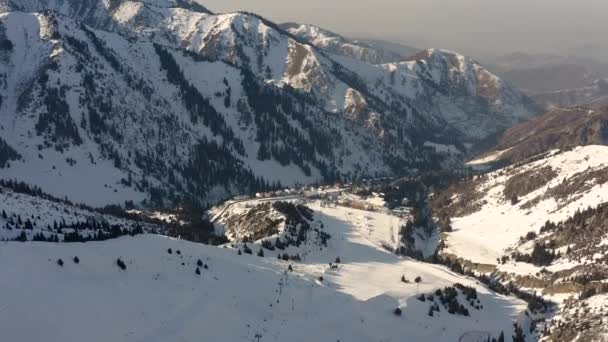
{"type": "Point", "coordinates": [556, 81]}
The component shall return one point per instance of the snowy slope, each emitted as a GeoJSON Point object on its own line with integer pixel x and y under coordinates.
{"type": "Point", "coordinates": [22, 213]}
{"type": "Point", "coordinates": [579, 321]}
{"type": "Point", "coordinates": [373, 52]}
{"type": "Point", "coordinates": [552, 188]}
{"type": "Point", "coordinates": [154, 288]}
{"type": "Point", "coordinates": [127, 106]}
{"type": "Point", "coordinates": [159, 296]}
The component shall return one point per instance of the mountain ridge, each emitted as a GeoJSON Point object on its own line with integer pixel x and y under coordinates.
{"type": "Point", "coordinates": [232, 94]}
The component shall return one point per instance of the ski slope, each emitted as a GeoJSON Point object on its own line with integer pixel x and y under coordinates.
{"type": "Point", "coordinates": [159, 297]}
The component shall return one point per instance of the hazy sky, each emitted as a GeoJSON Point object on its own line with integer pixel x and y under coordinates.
{"type": "Point", "coordinates": [478, 27]}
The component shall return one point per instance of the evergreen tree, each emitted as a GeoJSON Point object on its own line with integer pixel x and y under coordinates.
{"type": "Point", "coordinates": [198, 271]}
{"type": "Point", "coordinates": [519, 335]}
{"type": "Point", "coordinates": [76, 260]}
{"type": "Point", "coordinates": [121, 264]}
{"type": "Point", "coordinates": [22, 237]}
{"type": "Point", "coordinates": [246, 249]}
{"type": "Point", "coordinates": [60, 262]}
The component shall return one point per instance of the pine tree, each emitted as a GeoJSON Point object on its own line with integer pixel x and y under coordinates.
{"type": "Point", "coordinates": [76, 260]}
{"type": "Point", "coordinates": [60, 262]}
{"type": "Point", "coordinates": [261, 253]}
{"type": "Point", "coordinates": [121, 264]}
{"type": "Point", "coordinates": [501, 337]}
{"type": "Point", "coordinates": [519, 335]}
{"type": "Point", "coordinates": [22, 237]}
{"type": "Point", "coordinates": [199, 263]}
{"type": "Point", "coordinates": [246, 249]}
{"type": "Point", "coordinates": [198, 271]}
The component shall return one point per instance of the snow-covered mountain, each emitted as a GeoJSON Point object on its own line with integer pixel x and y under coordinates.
{"type": "Point", "coordinates": [399, 50]}
{"type": "Point", "coordinates": [369, 51]}
{"type": "Point", "coordinates": [532, 215]}
{"type": "Point", "coordinates": [538, 223]}
{"type": "Point", "coordinates": [164, 102]}
{"type": "Point", "coordinates": [494, 210]}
